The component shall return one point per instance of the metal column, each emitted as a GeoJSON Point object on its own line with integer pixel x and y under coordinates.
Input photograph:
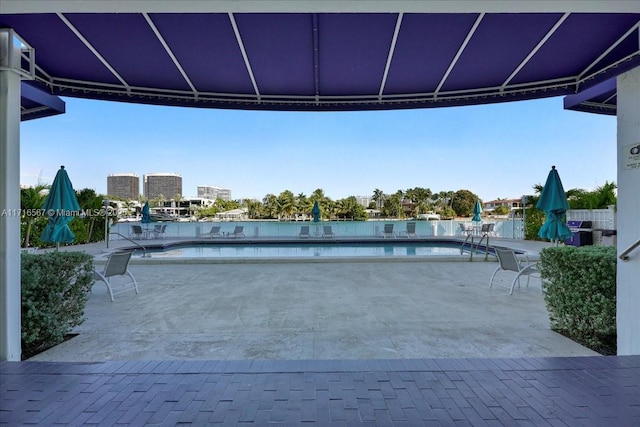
{"type": "Point", "coordinates": [10, 304]}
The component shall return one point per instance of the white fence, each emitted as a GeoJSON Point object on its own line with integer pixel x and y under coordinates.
{"type": "Point", "coordinates": [601, 219]}
{"type": "Point", "coordinates": [510, 229]}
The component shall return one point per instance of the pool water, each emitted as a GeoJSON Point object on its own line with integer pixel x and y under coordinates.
{"type": "Point", "coordinates": [309, 250]}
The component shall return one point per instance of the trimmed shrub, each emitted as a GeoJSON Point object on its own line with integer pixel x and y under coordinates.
{"type": "Point", "coordinates": [55, 287]}
{"type": "Point", "coordinates": [580, 293]}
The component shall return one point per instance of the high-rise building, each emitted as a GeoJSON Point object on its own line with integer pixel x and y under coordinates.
{"type": "Point", "coordinates": [363, 200]}
{"type": "Point", "coordinates": [167, 185]}
{"type": "Point", "coordinates": [123, 186]}
{"type": "Point", "coordinates": [212, 193]}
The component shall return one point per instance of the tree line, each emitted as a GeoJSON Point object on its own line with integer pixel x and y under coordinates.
{"type": "Point", "coordinates": [401, 204]}
{"type": "Point", "coordinates": [285, 206]}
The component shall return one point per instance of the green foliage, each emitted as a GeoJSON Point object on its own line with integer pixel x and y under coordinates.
{"type": "Point", "coordinates": [533, 222]}
{"type": "Point", "coordinates": [392, 206]}
{"type": "Point", "coordinates": [463, 202]}
{"type": "Point", "coordinates": [350, 209]}
{"type": "Point", "coordinates": [54, 292]}
{"type": "Point", "coordinates": [447, 213]}
{"type": "Point", "coordinates": [501, 210]}
{"type": "Point", "coordinates": [580, 292]}
{"type": "Point", "coordinates": [419, 195]}
{"type": "Point", "coordinates": [378, 197]}
{"type": "Point", "coordinates": [78, 227]}
{"type": "Point", "coordinates": [31, 220]}
{"type": "Point", "coordinates": [91, 227]}
{"type": "Point", "coordinates": [600, 198]}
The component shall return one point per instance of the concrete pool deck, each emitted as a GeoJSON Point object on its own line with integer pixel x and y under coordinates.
{"type": "Point", "coordinates": [314, 310]}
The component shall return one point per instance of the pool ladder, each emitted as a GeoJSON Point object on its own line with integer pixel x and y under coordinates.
{"type": "Point", "coordinates": [486, 250]}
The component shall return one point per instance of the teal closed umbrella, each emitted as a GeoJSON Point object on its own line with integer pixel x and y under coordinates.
{"type": "Point", "coordinates": [477, 210]}
{"type": "Point", "coordinates": [60, 206]}
{"type": "Point", "coordinates": [146, 214]}
{"type": "Point", "coordinates": [316, 212]}
{"type": "Point", "coordinates": [553, 201]}
{"type": "Point", "coordinates": [316, 215]}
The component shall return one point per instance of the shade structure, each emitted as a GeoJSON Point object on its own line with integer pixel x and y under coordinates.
{"type": "Point", "coordinates": [60, 206]}
{"type": "Point", "coordinates": [553, 201]}
{"type": "Point", "coordinates": [477, 210]}
{"type": "Point", "coordinates": [323, 55]}
{"type": "Point", "coordinates": [316, 212]}
{"type": "Point", "coordinates": [146, 214]}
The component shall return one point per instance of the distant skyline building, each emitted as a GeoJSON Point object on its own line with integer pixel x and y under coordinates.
{"type": "Point", "coordinates": [210, 192]}
{"type": "Point", "coordinates": [364, 200]}
{"type": "Point", "coordinates": [123, 186]}
{"type": "Point", "coordinates": [165, 184]}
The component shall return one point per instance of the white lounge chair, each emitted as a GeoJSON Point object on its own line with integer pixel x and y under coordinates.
{"type": "Point", "coordinates": [117, 265]}
{"type": "Point", "coordinates": [509, 262]}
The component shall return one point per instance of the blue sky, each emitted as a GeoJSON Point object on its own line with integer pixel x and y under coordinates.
{"type": "Point", "coordinates": [495, 151]}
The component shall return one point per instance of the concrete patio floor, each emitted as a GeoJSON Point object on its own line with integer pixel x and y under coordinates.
{"type": "Point", "coordinates": [342, 309]}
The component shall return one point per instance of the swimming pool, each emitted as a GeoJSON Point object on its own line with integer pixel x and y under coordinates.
{"type": "Point", "coordinates": [312, 250]}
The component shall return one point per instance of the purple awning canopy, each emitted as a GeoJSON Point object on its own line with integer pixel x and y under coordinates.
{"type": "Point", "coordinates": [35, 103]}
{"type": "Point", "coordinates": [326, 61]}
{"type": "Point", "coordinates": [600, 98]}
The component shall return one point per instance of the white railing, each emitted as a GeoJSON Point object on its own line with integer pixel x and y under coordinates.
{"type": "Point", "coordinates": [510, 229]}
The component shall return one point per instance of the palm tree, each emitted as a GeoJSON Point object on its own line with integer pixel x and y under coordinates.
{"type": "Point", "coordinates": [91, 202]}
{"type": "Point", "coordinates": [254, 208]}
{"type": "Point", "coordinates": [159, 201]}
{"type": "Point", "coordinates": [419, 195]}
{"type": "Point", "coordinates": [270, 205]}
{"type": "Point", "coordinates": [318, 194]}
{"type": "Point", "coordinates": [600, 198]}
{"type": "Point", "coordinates": [128, 205]}
{"type": "Point", "coordinates": [302, 204]}
{"type": "Point", "coordinates": [286, 204]}
{"type": "Point", "coordinates": [349, 208]}
{"type": "Point", "coordinates": [444, 199]}
{"type": "Point", "coordinates": [31, 201]}
{"type": "Point", "coordinates": [378, 197]}
{"type": "Point", "coordinates": [398, 198]}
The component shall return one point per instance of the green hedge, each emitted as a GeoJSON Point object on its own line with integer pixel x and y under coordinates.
{"type": "Point", "coordinates": [580, 293]}
{"type": "Point", "coordinates": [55, 287]}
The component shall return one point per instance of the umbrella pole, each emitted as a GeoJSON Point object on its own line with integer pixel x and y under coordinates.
{"type": "Point", "coordinates": [106, 222]}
